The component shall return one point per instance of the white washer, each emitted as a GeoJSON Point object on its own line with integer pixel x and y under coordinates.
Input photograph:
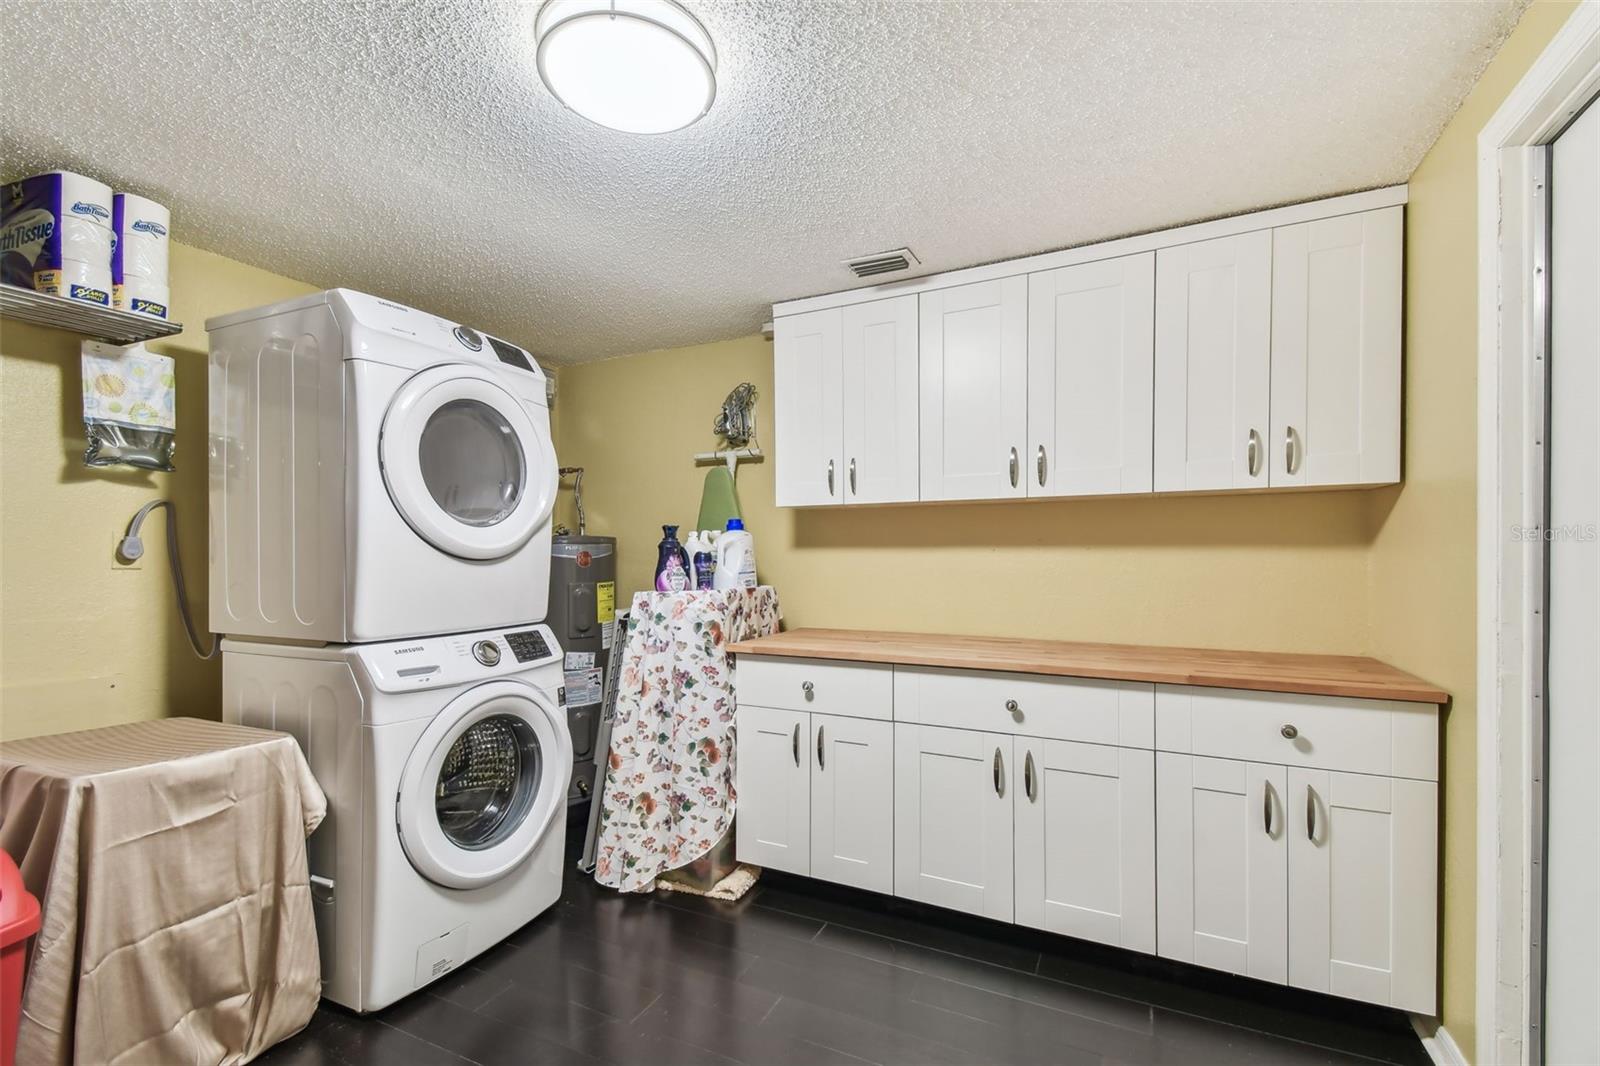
{"type": "Point", "coordinates": [376, 472]}
{"type": "Point", "coordinates": [445, 761]}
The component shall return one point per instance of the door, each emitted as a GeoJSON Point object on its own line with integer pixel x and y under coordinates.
{"type": "Point", "coordinates": [772, 783]}
{"type": "Point", "coordinates": [1336, 293]}
{"type": "Point", "coordinates": [1086, 842]}
{"type": "Point", "coordinates": [1362, 854]}
{"type": "Point", "coordinates": [880, 401]}
{"type": "Point", "coordinates": [464, 464]}
{"type": "Point", "coordinates": [852, 802]}
{"type": "Point", "coordinates": [1091, 366]}
{"type": "Point", "coordinates": [1213, 332]}
{"type": "Point", "coordinates": [974, 381]}
{"type": "Point", "coordinates": [484, 784]}
{"type": "Point", "coordinates": [808, 408]}
{"type": "Point", "coordinates": [1221, 862]}
{"type": "Point", "coordinates": [953, 818]}
{"type": "Point", "coordinates": [1572, 806]}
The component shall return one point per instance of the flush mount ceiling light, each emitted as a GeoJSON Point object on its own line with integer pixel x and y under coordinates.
{"type": "Point", "coordinates": [639, 66]}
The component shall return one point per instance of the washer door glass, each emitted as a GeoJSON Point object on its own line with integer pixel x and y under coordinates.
{"type": "Point", "coordinates": [487, 783]}
{"type": "Point", "coordinates": [472, 462]}
{"type": "Point", "coordinates": [465, 462]}
{"type": "Point", "coordinates": [484, 784]}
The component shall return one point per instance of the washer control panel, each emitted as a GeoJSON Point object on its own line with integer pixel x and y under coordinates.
{"type": "Point", "coordinates": [425, 662]}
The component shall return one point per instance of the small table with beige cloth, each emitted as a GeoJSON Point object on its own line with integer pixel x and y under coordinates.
{"type": "Point", "coordinates": [169, 860]}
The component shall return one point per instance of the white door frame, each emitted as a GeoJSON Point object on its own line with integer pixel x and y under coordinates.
{"type": "Point", "coordinates": [1511, 384]}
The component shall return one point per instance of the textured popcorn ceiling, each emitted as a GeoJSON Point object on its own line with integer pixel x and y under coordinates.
{"type": "Point", "coordinates": [408, 149]}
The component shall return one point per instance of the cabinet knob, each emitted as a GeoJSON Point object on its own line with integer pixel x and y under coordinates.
{"type": "Point", "coordinates": [1013, 706]}
{"type": "Point", "coordinates": [1289, 732]}
{"type": "Point", "coordinates": [808, 689]}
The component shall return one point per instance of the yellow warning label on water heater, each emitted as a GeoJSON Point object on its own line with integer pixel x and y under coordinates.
{"type": "Point", "coordinates": [605, 601]}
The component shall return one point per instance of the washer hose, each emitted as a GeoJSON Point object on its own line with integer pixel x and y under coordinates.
{"type": "Point", "coordinates": [132, 549]}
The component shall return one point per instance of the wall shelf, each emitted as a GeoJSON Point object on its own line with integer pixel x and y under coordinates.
{"type": "Point", "coordinates": [75, 316]}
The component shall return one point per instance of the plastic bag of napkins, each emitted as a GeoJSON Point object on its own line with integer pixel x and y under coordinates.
{"type": "Point", "coordinates": [129, 406]}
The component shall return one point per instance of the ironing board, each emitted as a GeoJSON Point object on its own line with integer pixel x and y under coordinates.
{"type": "Point", "coordinates": [668, 795]}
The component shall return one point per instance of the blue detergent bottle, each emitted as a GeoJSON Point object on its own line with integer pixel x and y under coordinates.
{"type": "Point", "coordinates": [672, 563]}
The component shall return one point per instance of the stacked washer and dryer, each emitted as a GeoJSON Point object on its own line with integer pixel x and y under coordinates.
{"type": "Point", "coordinates": [381, 489]}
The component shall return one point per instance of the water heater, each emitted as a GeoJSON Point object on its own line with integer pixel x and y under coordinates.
{"type": "Point", "coordinates": [583, 609]}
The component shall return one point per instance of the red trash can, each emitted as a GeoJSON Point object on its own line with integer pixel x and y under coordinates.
{"type": "Point", "coordinates": [19, 920]}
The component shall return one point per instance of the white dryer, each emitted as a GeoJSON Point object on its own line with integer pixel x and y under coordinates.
{"type": "Point", "coordinates": [445, 761]}
{"type": "Point", "coordinates": [376, 472]}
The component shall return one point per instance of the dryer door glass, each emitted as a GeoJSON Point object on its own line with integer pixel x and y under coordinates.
{"type": "Point", "coordinates": [487, 782]}
{"type": "Point", "coordinates": [472, 462]}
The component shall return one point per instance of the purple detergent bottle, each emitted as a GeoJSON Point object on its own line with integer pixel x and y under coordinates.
{"type": "Point", "coordinates": [672, 565]}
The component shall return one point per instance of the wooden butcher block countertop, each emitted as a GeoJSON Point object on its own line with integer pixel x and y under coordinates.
{"type": "Point", "coordinates": [1321, 675]}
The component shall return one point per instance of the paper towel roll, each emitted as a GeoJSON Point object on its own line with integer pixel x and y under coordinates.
{"type": "Point", "coordinates": [56, 236]}
{"type": "Point", "coordinates": [139, 263]}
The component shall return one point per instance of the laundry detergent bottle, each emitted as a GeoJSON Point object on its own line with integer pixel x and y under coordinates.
{"type": "Point", "coordinates": [736, 558]}
{"type": "Point", "coordinates": [672, 563]}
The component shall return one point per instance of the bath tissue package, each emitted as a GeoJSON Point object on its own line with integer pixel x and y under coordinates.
{"type": "Point", "coordinates": [139, 262]}
{"type": "Point", "coordinates": [129, 406]}
{"type": "Point", "coordinates": [56, 236]}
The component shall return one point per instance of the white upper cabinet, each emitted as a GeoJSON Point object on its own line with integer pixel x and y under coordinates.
{"type": "Point", "coordinates": [809, 408]}
{"type": "Point", "coordinates": [1091, 362]}
{"type": "Point", "coordinates": [1336, 301]}
{"type": "Point", "coordinates": [880, 401]}
{"type": "Point", "coordinates": [1213, 340]}
{"type": "Point", "coordinates": [974, 376]}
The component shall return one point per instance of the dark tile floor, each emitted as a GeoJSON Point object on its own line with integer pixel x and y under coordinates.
{"type": "Point", "coordinates": [798, 972]}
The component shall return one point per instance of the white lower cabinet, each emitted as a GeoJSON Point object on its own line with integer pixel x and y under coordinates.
{"type": "Point", "coordinates": [952, 818]}
{"type": "Point", "coordinates": [1288, 838]}
{"type": "Point", "coordinates": [852, 802]}
{"type": "Point", "coordinates": [1085, 841]}
{"type": "Point", "coordinates": [1361, 887]}
{"type": "Point", "coordinates": [1223, 888]}
{"type": "Point", "coordinates": [773, 781]}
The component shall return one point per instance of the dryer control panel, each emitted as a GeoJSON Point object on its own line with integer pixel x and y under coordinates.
{"type": "Point", "coordinates": [424, 662]}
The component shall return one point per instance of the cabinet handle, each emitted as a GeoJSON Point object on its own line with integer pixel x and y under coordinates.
{"type": "Point", "coordinates": [852, 475]}
{"type": "Point", "coordinates": [1290, 450]}
{"type": "Point", "coordinates": [830, 477]}
{"type": "Point", "coordinates": [997, 768]}
{"type": "Point", "coordinates": [1253, 453]}
{"type": "Point", "coordinates": [1266, 807]}
{"type": "Point", "coordinates": [809, 689]}
{"type": "Point", "coordinates": [820, 766]}
{"type": "Point", "coordinates": [1027, 776]}
{"type": "Point", "coordinates": [1041, 464]}
{"type": "Point", "coordinates": [1013, 468]}
{"type": "Point", "coordinates": [1289, 732]}
{"type": "Point", "coordinates": [1311, 815]}
{"type": "Point", "coordinates": [1013, 706]}
{"type": "Point", "coordinates": [794, 743]}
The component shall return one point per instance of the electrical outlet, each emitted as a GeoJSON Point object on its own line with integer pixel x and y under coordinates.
{"type": "Point", "coordinates": [117, 561]}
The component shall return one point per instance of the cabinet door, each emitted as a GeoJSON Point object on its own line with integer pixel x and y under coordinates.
{"type": "Point", "coordinates": [808, 408]}
{"type": "Point", "coordinates": [880, 401]}
{"type": "Point", "coordinates": [1213, 331]}
{"type": "Point", "coordinates": [974, 374]}
{"type": "Point", "coordinates": [1221, 861]}
{"type": "Point", "coordinates": [852, 802]}
{"type": "Point", "coordinates": [1091, 364]}
{"type": "Point", "coordinates": [952, 818]}
{"type": "Point", "coordinates": [1336, 294]}
{"type": "Point", "coordinates": [773, 782]}
{"type": "Point", "coordinates": [1362, 889]}
{"type": "Point", "coordinates": [1086, 841]}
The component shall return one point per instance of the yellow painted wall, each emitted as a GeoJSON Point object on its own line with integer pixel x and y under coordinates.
{"type": "Point", "coordinates": [1423, 558]}
{"type": "Point", "coordinates": [85, 640]}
